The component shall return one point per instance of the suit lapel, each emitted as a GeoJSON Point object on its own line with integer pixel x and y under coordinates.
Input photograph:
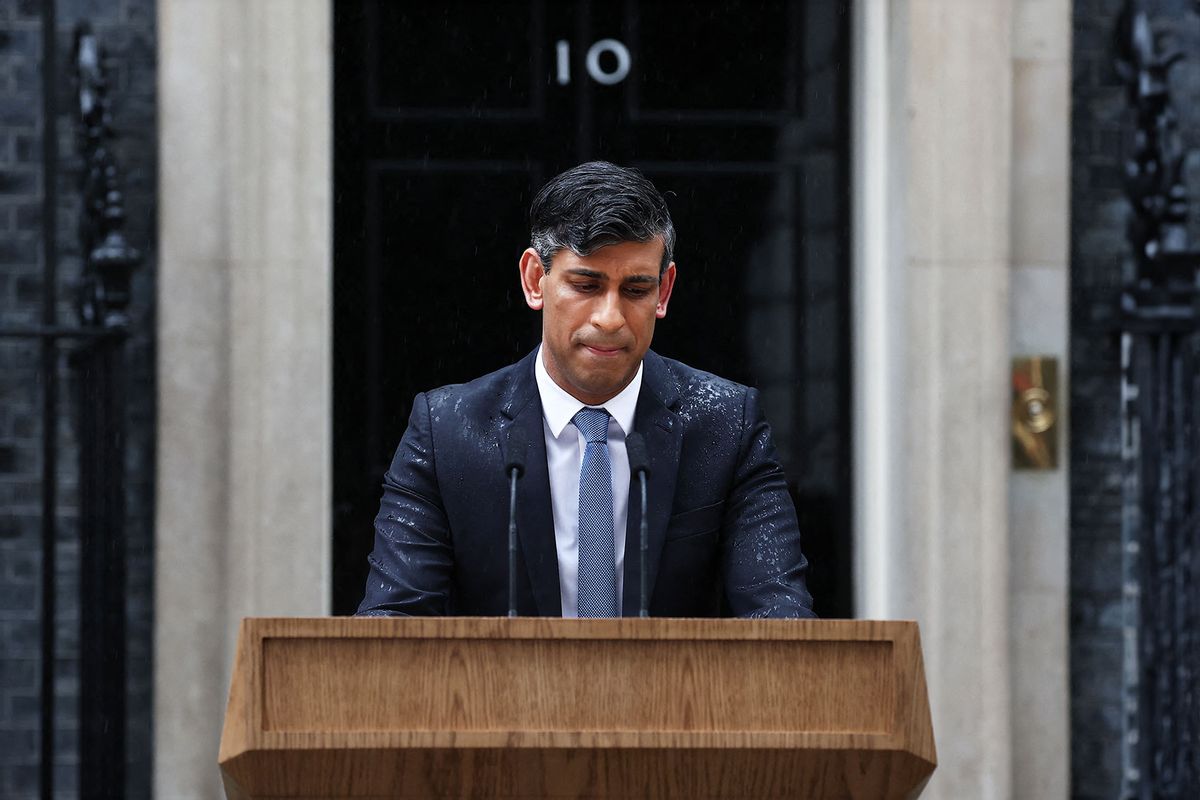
{"type": "Point", "coordinates": [663, 431]}
{"type": "Point", "coordinates": [535, 516]}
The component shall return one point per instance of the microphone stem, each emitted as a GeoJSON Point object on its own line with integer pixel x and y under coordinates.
{"type": "Point", "coordinates": [512, 544]}
{"type": "Point", "coordinates": [645, 543]}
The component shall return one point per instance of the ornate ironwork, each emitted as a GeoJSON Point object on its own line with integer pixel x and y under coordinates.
{"type": "Point", "coordinates": [1160, 351]}
{"type": "Point", "coordinates": [1153, 174]}
{"type": "Point", "coordinates": [104, 297]}
{"type": "Point", "coordinates": [108, 258]}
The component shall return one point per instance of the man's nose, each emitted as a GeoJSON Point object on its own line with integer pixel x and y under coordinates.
{"type": "Point", "coordinates": [607, 315]}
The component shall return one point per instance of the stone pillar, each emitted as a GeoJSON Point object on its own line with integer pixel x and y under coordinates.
{"type": "Point", "coordinates": [1038, 317]}
{"type": "Point", "coordinates": [244, 308]}
{"type": "Point", "coordinates": [955, 553]}
{"type": "Point", "coordinates": [933, 263]}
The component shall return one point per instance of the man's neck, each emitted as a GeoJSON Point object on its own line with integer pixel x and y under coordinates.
{"type": "Point", "coordinates": [560, 405]}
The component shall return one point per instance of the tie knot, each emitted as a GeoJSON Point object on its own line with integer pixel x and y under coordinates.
{"type": "Point", "coordinates": [593, 424]}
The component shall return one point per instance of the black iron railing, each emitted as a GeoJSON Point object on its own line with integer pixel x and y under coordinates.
{"type": "Point", "coordinates": [1161, 533]}
{"type": "Point", "coordinates": [103, 305]}
{"type": "Point", "coordinates": [1160, 417]}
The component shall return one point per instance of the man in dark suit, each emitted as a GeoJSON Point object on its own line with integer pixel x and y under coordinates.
{"type": "Point", "coordinates": [722, 528]}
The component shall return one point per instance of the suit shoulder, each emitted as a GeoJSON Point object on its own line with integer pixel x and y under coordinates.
{"type": "Point", "coordinates": [483, 394]}
{"type": "Point", "coordinates": [700, 385]}
{"type": "Point", "coordinates": [703, 392]}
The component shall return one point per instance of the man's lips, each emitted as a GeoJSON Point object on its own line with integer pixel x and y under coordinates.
{"type": "Point", "coordinates": [604, 350]}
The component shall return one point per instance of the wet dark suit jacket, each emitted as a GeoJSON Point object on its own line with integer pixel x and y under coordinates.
{"type": "Point", "coordinates": [722, 527]}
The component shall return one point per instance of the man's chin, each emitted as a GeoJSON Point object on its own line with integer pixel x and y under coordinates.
{"type": "Point", "coordinates": [603, 386]}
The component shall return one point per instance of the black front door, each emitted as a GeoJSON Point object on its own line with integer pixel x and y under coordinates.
{"type": "Point", "coordinates": [449, 116]}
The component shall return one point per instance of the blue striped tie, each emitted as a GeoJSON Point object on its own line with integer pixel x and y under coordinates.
{"type": "Point", "coordinates": [597, 548]}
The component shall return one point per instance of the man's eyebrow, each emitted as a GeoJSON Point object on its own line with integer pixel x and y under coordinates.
{"type": "Point", "coordinates": [600, 276]}
{"type": "Point", "coordinates": [587, 273]}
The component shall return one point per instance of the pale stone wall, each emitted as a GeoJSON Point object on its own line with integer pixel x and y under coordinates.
{"type": "Point", "coordinates": [953, 566]}
{"type": "Point", "coordinates": [961, 227]}
{"type": "Point", "coordinates": [1038, 325]}
{"type": "Point", "coordinates": [243, 504]}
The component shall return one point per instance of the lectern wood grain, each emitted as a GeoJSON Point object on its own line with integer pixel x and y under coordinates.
{"type": "Point", "coordinates": [485, 707]}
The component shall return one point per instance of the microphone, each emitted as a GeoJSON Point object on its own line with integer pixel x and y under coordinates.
{"type": "Point", "coordinates": [514, 467]}
{"type": "Point", "coordinates": [639, 464]}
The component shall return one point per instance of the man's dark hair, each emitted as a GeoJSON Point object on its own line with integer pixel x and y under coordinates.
{"type": "Point", "coordinates": [597, 204]}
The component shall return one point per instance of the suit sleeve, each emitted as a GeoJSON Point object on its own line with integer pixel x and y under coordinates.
{"type": "Point", "coordinates": [764, 568]}
{"type": "Point", "coordinates": [411, 565]}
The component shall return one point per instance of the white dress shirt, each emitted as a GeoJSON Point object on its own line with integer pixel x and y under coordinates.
{"type": "Point", "coordinates": [564, 459]}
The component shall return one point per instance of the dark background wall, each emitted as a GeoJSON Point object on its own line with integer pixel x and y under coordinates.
{"type": "Point", "coordinates": [1101, 261]}
{"type": "Point", "coordinates": [126, 30]}
{"type": "Point", "coordinates": [1098, 253]}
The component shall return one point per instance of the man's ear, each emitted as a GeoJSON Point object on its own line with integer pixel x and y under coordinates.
{"type": "Point", "coordinates": [665, 284]}
{"type": "Point", "coordinates": [532, 272]}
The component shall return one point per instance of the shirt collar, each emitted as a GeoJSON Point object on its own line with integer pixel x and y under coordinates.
{"type": "Point", "coordinates": [559, 408]}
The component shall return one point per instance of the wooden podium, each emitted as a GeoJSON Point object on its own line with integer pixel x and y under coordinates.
{"type": "Point", "coordinates": [535, 707]}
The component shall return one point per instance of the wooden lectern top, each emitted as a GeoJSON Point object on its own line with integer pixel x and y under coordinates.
{"type": "Point", "coordinates": [541, 707]}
